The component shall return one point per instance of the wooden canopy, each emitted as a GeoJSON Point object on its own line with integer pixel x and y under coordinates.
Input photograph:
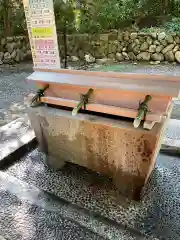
{"type": "Point", "coordinates": [113, 93]}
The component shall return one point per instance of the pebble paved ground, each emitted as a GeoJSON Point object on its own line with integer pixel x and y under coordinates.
{"type": "Point", "coordinates": [14, 89]}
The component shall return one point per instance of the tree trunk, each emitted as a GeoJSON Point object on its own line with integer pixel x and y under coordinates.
{"type": "Point", "coordinates": [166, 5]}
{"type": "Point", "coordinates": [65, 44]}
{"type": "Point", "coordinates": [7, 18]}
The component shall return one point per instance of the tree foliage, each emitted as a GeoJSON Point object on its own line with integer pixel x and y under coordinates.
{"type": "Point", "coordinates": [12, 19]}
{"type": "Point", "coordinates": [105, 15]}
{"type": "Point", "coordinates": [89, 15]}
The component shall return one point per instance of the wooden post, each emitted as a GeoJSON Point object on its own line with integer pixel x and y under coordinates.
{"type": "Point", "coordinates": [42, 33]}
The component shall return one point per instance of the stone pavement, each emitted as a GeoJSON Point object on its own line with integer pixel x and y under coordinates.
{"type": "Point", "coordinates": [13, 91]}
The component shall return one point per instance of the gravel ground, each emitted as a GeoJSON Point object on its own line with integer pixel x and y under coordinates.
{"type": "Point", "coordinates": [13, 92]}
{"type": "Point", "coordinates": [14, 89]}
{"type": "Point", "coordinates": [168, 69]}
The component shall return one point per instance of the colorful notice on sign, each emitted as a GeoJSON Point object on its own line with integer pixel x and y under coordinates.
{"type": "Point", "coordinates": [42, 33]}
{"type": "Point", "coordinates": [46, 32]}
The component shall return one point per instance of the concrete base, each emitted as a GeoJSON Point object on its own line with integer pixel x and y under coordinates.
{"type": "Point", "coordinates": [112, 147]}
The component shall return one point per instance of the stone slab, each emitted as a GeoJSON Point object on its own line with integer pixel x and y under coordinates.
{"type": "Point", "coordinates": [15, 135]}
{"type": "Point", "coordinates": [172, 133]}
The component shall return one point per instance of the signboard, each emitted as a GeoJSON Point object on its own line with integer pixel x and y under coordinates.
{"type": "Point", "coordinates": [42, 33]}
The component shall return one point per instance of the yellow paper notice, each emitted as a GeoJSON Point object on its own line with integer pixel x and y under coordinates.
{"type": "Point", "coordinates": [42, 32]}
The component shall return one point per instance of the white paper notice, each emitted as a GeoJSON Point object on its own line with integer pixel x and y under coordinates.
{"type": "Point", "coordinates": [42, 33]}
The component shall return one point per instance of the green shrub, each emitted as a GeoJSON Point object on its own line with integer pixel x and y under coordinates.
{"type": "Point", "coordinates": [105, 15]}
{"type": "Point", "coordinates": [173, 26]}
{"type": "Point", "coordinates": [153, 30]}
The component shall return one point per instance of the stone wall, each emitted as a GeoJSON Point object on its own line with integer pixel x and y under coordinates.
{"type": "Point", "coordinates": [14, 50]}
{"type": "Point", "coordinates": [102, 48]}
{"type": "Point", "coordinates": [123, 46]}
